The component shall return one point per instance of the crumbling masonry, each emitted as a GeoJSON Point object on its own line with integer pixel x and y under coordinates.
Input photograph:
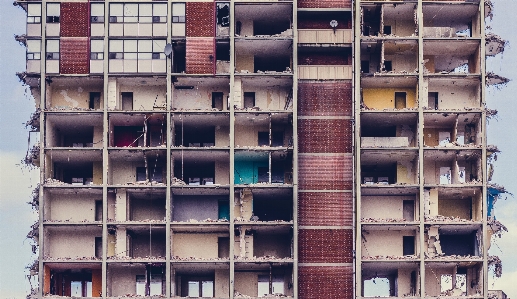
{"type": "Point", "coordinates": [261, 148]}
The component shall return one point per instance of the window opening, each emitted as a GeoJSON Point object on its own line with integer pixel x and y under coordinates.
{"type": "Point", "coordinates": [400, 100]}
{"type": "Point", "coordinates": [53, 12]}
{"type": "Point", "coordinates": [217, 100]}
{"type": "Point", "coordinates": [249, 99]}
{"type": "Point", "coordinates": [34, 13]}
{"type": "Point", "coordinates": [408, 245]}
{"type": "Point", "coordinates": [97, 13]}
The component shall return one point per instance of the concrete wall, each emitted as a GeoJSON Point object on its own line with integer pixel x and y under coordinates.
{"type": "Point", "coordinates": [383, 207]}
{"type": "Point", "coordinates": [246, 283]}
{"type": "Point", "coordinates": [248, 135]}
{"type": "Point", "coordinates": [144, 97]}
{"type": "Point", "coordinates": [385, 243]}
{"type": "Point", "coordinates": [195, 245]}
{"type": "Point", "coordinates": [72, 96]}
{"type": "Point", "coordinates": [61, 207]}
{"type": "Point", "coordinates": [456, 97]}
{"type": "Point", "coordinates": [269, 98]}
{"type": "Point", "coordinates": [401, 27]}
{"type": "Point", "coordinates": [406, 172]}
{"type": "Point", "coordinates": [244, 62]}
{"type": "Point", "coordinates": [192, 207]}
{"type": "Point", "coordinates": [384, 98]}
{"type": "Point", "coordinates": [400, 63]}
{"type": "Point", "coordinates": [125, 172]}
{"type": "Point", "coordinates": [455, 208]}
{"type": "Point", "coordinates": [140, 244]}
{"type": "Point", "coordinates": [71, 244]}
{"type": "Point", "coordinates": [222, 283]}
{"type": "Point", "coordinates": [198, 98]}
{"type": "Point", "coordinates": [222, 170]}
{"type": "Point", "coordinates": [122, 280]}
{"type": "Point", "coordinates": [404, 282]}
{"type": "Point", "coordinates": [222, 136]}
{"type": "Point", "coordinates": [147, 209]}
{"type": "Point", "coordinates": [278, 245]}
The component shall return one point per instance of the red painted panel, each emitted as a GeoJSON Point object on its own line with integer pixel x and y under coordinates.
{"type": "Point", "coordinates": [200, 55]}
{"type": "Point", "coordinates": [74, 55]}
{"type": "Point", "coordinates": [325, 135]}
{"type": "Point", "coordinates": [325, 172]}
{"type": "Point", "coordinates": [325, 208]}
{"type": "Point", "coordinates": [325, 282]}
{"type": "Point", "coordinates": [325, 245]}
{"type": "Point", "coordinates": [74, 19]}
{"type": "Point", "coordinates": [200, 19]}
{"type": "Point", "coordinates": [324, 3]}
{"type": "Point", "coordinates": [322, 99]}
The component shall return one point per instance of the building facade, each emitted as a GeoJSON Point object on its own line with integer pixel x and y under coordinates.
{"type": "Point", "coordinates": [243, 149]}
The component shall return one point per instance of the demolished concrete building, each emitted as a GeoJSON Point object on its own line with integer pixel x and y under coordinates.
{"type": "Point", "coordinates": [261, 148]}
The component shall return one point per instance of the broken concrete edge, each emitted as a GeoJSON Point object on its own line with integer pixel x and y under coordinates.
{"type": "Point", "coordinates": [35, 198]}
{"type": "Point", "coordinates": [493, 79]}
{"type": "Point", "coordinates": [495, 264]}
{"type": "Point", "coordinates": [497, 227]}
{"type": "Point", "coordinates": [31, 157]}
{"type": "Point", "coordinates": [489, 7]}
{"type": "Point", "coordinates": [496, 189]}
{"type": "Point", "coordinates": [494, 38]}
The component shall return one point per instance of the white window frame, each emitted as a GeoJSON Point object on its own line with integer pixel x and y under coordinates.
{"type": "Point", "coordinates": [178, 17]}
{"type": "Point", "coordinates": [140, 51]}
{"type": "Point", "coordinates": [50, 53]}
{"type": "Point", "coordinates": [34, 13]}
{"type": "Point", "coordinates": [128, 15]}
{"type": "Point", "coordinates": [53, 17]}
{"type": "Point", "coordinates": [95, 54]}
{"type": "Point", "coordinates": [97, 14]}
{"type": "Point", "coordinates": [33, 53]}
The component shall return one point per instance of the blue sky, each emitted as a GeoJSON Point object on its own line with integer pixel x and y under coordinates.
{"type": "Point", "coordinates": [16, 182]}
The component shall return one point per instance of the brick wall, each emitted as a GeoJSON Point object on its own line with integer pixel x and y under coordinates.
{"type": "Point", "coordinates": [322, 99]}
{"type": "Point", "coordinates": [199, 51]}
{"type": "Point", "coordinates": [325, 245]}
{"type": "Point", "coordinates": [325, 208]}
{"type": "Point", "coordinates": [325, 282]}
{"type": "Point", "coordinates": [325, 136]}
{"type": "Point", "coordinates": [74, 19]}
{"type": "Point", "coordinates": [342, 58]}
{"type": "Point", "coordinates": [325, 172]}
{"type": "Point", "coordinates": [324, 3]}
{"type": "Point", "coordinates": [74, 55]}
{"type": "Point", "coordinates": [200, 19]}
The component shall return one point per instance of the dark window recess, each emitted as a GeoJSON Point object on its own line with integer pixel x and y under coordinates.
{"type": "Point", "coordinates": [383, 131]}
{"type": "Point", "coordinates": [195, 136]}
{"type": "Point", "coordinates": [371, 21]}
{"type": "Point", "coordinates": [269, 63]}
{"type": "Point", "coordinates": [195, 172]}
{"type": "Point", "coordinates": [408, 245]}
{"type": "Point", "coordinates": [387, 30]}
{"type": "Point", "coordinates": [95, 100]}
{"type": "Point", "coordinates": [400, 100]}
{"type": "Point", "coordinates": [224, 209]}
{"type": "Point", "coordinates": [249, 99]}
{"type": "Point", "coordinates": [127, 101]}
{"type": "Point", "coordinates": [140, 174]}
{"type": "Point", "coordinates": [223, 247]}
{"type": "Point", "coordinates": [97, 19]}
{"type": "Point", "coordinates": [238, 27]}
{"type": "Point", "coordinates": [432, 100]}
{"type": "Point", "coordinates": [98, 247]}
{"type": "Point", "coordinates": [271, 209]}
{"type": "Point", "coordinates": [263, 138]}
{"type": "Point", "coordinates": [408, 210]}
{"type": "Point", "coordinates": [52, 19]}
{"type": "Point", "coordinates": [128, 136]}
{"type": "Point", "coordinates": [98, 210]}
{"type": "Point", "coordinates": [365, 66]}
{"type": "Point", "coordinates": [179, 60]}
{"type": "Point", "coordinates": [269, 26]}
{"type": "Point", "coordinates": [263, 175]}
{"type": "Point", "coordinates": [222, 51]}
{"type": "Point", "coordinates": [77, 173]}
{"type": "Point", "coordinates": [458, 244]}
{"type": "Point", "coordinates": [277, 138]}
{"type": "Point", "coordinates": [155, 56]}
{"type": "Point", "coordinates": [223, 14]}
{"type": "Point", "coordinates": [217, 100]}
{"type": "Point", "coordinates": [277, 173]}
{"type": "Point", "coordinates": [388, 66]}
{"type": "Point", "coordinates": [378, 172]}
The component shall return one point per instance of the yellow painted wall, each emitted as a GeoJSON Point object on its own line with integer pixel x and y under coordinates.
{"type": "Point", "coordinates": [384, 98]}
{"type": "Point", "coordinates": [97, 173]}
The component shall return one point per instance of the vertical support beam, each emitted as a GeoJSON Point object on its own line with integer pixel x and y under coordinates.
{"type": "Point", "coordinates": [422, 98]}
{"type": "Point", "coordinates": [356, 100]}
{"type": "Point", "coordinates": [168, 196]}
{"type": "Point", "coordinates": [295, 148]}
{"type": "Point", "coordinates": [105, 155]}
{"type": "Point", "coordinates": [484, 205]}
{"type": "Point", "coordinates": [43, 166]}
{"type": "Point", "coordinates": [232, 149]}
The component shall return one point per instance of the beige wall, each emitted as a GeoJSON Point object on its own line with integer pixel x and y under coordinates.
{"type": "Point", "coordinates": [195, 245]}
{"type": "Point", "coordinates": [246, 283]}
{"type": "Point", "coordinates": [386, 243]}
{"type": "Point", "coordinates": [222, 283]}
{"type": "Point", "coordinates": [401, 27]}
{"type": "Point", "coordinates": [269, 98]}
{"type": "Point", "coordinates": [125, 172]}
{"type": "Point", "coordinates": [248, 135]}
{"type": "Point", "coordinates": [222, 136]}
{"type": "Point", "coordinates": [68, 244]}
{"type": "Point", "coordinates": [456, 97]}
{"type": "Point", "coordinates": [406, 173]}
{"type": "Point", "coordinates": [72, 96]}
{"type": "Point", "coordinates": [244, 62]}
{"type": "Point", "coordinates": [198, 98]}
{"type": "Point", "coordinates": [71, 208]}
{"type": "Point", "coordinates": [455, 208]}
{"type": "Point", "coordinates": [402, 63]}
{"type": "Point", "coordinates": [222, 170]}
{"type": "Point", "coordinates": [383, 207]}
{"type": "Point", "coordinates": [144, 97]}
{"type": "Point", "coordinates": [122, 281]}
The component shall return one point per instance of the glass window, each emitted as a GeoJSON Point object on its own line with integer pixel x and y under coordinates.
{"type": "Point", "coordinates": [193, 289]}
{"type": "Point", "coordinates": [207, 288]}
{"type": "Point", "coordinates": [33, 49]}
{"type": "Point", "coordinates": [155, 285]}
{"type": "Point", "coordinates": [97, 12]}
{"type": "Point", "coordinates": [97, 49]}
{"type": "Point", "coordinates": [53, 12]}
{"type": "Point", "coordinates": [34, 13]}
{"type": "Point", "coordinates": [140, 285]}
{"type": "Point", "coordinates": [178, 12]}
{"type": "Point", "coordinates": [52, 49]}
